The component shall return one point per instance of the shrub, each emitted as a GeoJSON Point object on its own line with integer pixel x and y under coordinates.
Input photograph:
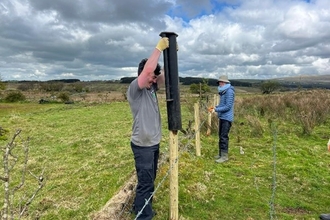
{"type": "Point", "coordinates": [64, 97]}
{"type": "Point", "coordinates": [15, 96]}
{"type": "Point", "coordinates": [201, 88]}
{"type": "Point", "coordinates": [269, 87]}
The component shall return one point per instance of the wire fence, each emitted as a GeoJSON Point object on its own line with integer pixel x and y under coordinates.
{"type": "Point", "coordinates": [126, 211]}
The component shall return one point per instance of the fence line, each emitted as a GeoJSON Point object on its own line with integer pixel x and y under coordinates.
{"type": "Point", "coordinates": [190, 137]}
{"type": "Point", "coordinates": [271, 202]}
{"type": "Point", "coordinates": [169, 170]}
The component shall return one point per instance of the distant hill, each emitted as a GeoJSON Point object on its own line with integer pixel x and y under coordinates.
{"type": "Point", "coordinates": [307, 79]}
{"type": "Point", "coordinates": [303, 81]}
{"type": "Point", "coordinates": [320, 81]}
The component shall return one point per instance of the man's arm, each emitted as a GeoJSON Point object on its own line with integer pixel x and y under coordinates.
{"type": "Point", "coordinates": [150, 66]}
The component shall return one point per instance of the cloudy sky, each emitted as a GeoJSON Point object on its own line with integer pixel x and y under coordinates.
{"type": "Point", "coordinates": [106, 39]}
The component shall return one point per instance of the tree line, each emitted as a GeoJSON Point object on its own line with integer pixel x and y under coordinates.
{"type": "Point", "coordinates": [197, 80]}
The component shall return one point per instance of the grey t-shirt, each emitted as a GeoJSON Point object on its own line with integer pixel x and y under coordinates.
{"type": "Point", "coordinates": [146, 129]}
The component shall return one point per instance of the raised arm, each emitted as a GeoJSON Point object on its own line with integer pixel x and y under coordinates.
{"type": "Point", "coordinates": [147, 76]}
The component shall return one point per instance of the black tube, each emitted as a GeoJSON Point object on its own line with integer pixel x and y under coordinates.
{"type": "Point", "coordinates": [172, 82]}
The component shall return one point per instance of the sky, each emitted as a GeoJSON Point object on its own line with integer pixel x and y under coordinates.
{"type": "Point", "coordinates": [106, 39]}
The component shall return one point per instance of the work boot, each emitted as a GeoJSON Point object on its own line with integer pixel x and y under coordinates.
{"type": "Point", "coordinates": [223, 158]}
{"type": "Point", "coordinates": [325, 216]}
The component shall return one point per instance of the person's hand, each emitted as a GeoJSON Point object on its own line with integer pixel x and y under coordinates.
{"type": "Point", "coordinates": [211, 110]}
{"type": "Point", "coordinates": [163, 43]}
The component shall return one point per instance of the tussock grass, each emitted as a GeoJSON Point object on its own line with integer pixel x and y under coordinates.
{"type": "Point", "coordinates": [85, 151]}
{"type": "Point", "coordinates": [306, 109]}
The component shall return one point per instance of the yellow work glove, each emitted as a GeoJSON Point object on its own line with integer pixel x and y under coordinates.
{"type": "Point", "coordinates": [163, 43]}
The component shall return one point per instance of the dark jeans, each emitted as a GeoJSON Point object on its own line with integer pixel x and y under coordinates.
{"type": "Point", "coordinates": [224, 128]}
{"type": "Point", "coordinates": [146, 164]}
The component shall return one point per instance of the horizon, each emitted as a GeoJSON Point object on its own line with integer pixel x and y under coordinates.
{"type": "Point", "coordinates": [234, 79]}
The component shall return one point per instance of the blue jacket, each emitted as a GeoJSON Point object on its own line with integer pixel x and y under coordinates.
{"type": "Point", "coordinates": [225, 109]}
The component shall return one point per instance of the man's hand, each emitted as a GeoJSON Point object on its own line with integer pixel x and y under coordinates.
{"type": "Point", "coordinates": [163, 43]}
{"type": "Point", "coordinates": [211, 110]}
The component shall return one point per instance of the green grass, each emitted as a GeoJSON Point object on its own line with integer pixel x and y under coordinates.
{"type": "Point", "coordinates": [86, 155]}
{"type": "Point", "coordinates": [242, 188]}
{"type": "Point", "coordinates": [83, 149]}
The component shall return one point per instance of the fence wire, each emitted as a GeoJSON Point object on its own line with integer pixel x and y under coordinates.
{"type": "Point", "coordinates": [170, 169]}
{"type": "Point", "coordinates": [272, 212]}
{"type": "Point", "coordinates": [126, 210]}
{"type": "Point", "coordinates": [271, 202]}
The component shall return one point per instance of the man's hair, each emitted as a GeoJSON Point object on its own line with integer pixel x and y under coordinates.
{"type": "Point", "coordinates": [143, 63]}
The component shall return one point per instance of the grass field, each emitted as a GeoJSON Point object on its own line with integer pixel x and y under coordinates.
{"type": "Point", "coordinates": [84, 151]}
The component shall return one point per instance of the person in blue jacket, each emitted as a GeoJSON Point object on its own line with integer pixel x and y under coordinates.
{"type": "Point", "coordinates": [225, 111]}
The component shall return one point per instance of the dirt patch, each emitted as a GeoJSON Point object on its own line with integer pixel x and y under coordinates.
{"type": "Point", "coordinates": [295, 210]}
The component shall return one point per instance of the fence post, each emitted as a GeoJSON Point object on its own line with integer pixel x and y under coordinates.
{"type": "Point", "coordinates": [174, 117]}
{"type": "Point", "coordinates": [209, 123]}
{"type": "Point", "coordinates": [215, 100]}
{"type": "Point", "coordinates": [174, 182]}
{"type": "Point", "coordinates": [197, 132]}
{"type": "Point", "coordinates": [209, 119]}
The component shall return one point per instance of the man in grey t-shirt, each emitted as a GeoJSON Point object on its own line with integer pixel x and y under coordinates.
{"type": "Point", "coordinates": [146, 129]}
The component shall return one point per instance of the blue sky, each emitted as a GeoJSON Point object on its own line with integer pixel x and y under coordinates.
{"type": "Point", "coordinates": [188, 10]}
{"type": "Point", "coordinates": [106, 39]}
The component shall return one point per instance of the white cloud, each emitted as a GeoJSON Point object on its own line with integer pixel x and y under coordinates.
{"type": "Point", "coordinates": [39, 73]}
{"type": "Point", "coordinates": [64, 75]}
{"type": "Point", "coordinates": [253, 39]}
{"type": "Point", "coordinates": [323, 65]}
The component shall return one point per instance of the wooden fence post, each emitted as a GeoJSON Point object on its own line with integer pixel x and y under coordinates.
{"type": "Point", "coordinates": [215, 100]}
{"type": "Point", "coordinates": [197, 132]}
{"type": "Point", "coordinates": [209, 123]}
{"type": "Point", "coordinates": [174, 182]}
{"type": "Point", "coordinates": [209, 116]}
{"type": "Point", "coordinates": [174, 117]}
